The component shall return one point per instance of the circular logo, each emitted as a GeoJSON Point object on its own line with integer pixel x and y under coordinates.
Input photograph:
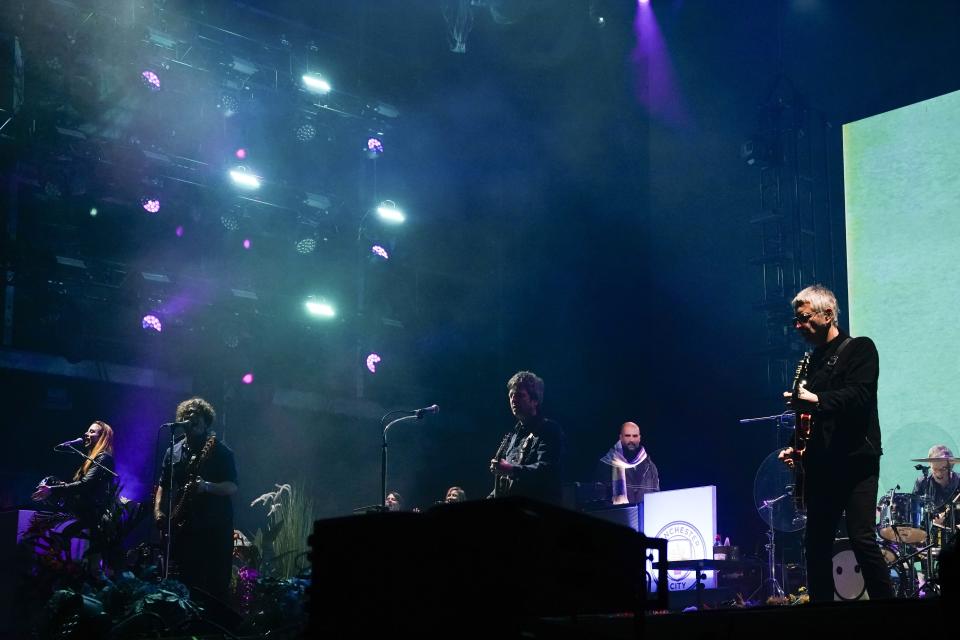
{"type": "Point", "coordinates": [684, 542]}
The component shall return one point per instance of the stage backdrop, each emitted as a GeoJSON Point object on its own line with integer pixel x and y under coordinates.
{"type": "Point", "coordinates": [902, 191]}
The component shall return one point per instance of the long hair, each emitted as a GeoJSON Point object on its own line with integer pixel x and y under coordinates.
{"type": "Point", "coordinates": [104, 444]}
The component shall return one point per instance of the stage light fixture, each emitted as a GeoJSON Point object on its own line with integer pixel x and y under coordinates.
{"type": "Point", "coordinates": [377, 250]}
{"type": "Point", "coordinates": [372, 361]}
{"type": "Point", "coordinates": [246, 243]}
{"type": "Point", "coordinates": [240, 153]}
{"type": "Point", "coordinates": [179, 231]}
{"type": "Point", "coordinates": [320, 308]}
{"type": "Point", "coordinates": [243, 178]}
{"type": "Point", "coordinates": [247, 378]}
{"type": "Point", "coordinates": [230, 222]}
{"type": "Point", "coordinates": [389, 212]}
{"type": "Point", "coordinates": [228, 104]}
{"type": "Point", "coordinates": [306, 245]}
{"type": "Point", "coordinates": [316, 83]}
{"type": "Point", "coordinates": [150, 79]}
{"type": "Point", "coordinates": [150, 205]}
{"type": "Point", "coordinates": [151, 322]}
{"type": "Point", "coordinates": [374, 148]}
{"type": "Point", "coordinates": [306, 132]}
{"type": "Point", "coordinates": [93, 212]}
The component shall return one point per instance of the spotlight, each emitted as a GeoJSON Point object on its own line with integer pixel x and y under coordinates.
{"type": "Point", "coordinates": [389, 212]}
{"type": "Point", "coordinates": [306, 245]}
{"type": "Point", "coordinates": [246, 243]}
{"type": "Point", "coordinates": [241, 153]}
{"type": "Point", "coordinates": [306, 132]}
{"type": "Point", "coordinates": [377, 250]}
{"type": "Point", "coordinates": [151, 80]}
{"type": "Point", "coordinates": [150, 205]}
{"type": "Point", "coordinates": [247, 378]}
{"type": "Point", "coordinates": [228, 105]}
{"type": "Point", "coordinates": [179, 231]}
{"type": "Point", "coordinates": [372, 361]}
{"type": "Point", "coordinates": [316, 83]}
{"type": "Point", "coordinates": [243, 178]}
{"type": "Point", "coordinates": [320, 308]}
{"type": "Point", "coordinates": [151, 322]}
{"type": "Point", "coordinates": [230, 222]}
{"type": "Point", "coordinates": [374, 148]}
{"type": "Point", "coordinates": [93, 212]}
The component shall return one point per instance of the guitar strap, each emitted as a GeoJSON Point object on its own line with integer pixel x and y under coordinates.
{"type": "Point", "coordinates": [832, 360]}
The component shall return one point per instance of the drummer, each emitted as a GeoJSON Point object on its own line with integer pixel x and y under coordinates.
{"type": "Point", "coordinates": [942, 484]}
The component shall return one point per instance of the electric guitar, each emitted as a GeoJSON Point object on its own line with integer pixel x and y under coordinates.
{"type": "Point", "coordinates": [801, 437]}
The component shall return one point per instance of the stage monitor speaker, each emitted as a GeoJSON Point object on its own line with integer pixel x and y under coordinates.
{"type": "Point", "coordinates": [487, 563]}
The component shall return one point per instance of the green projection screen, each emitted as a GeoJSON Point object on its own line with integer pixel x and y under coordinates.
{"type": "Point", "coordinates": [902, 193]}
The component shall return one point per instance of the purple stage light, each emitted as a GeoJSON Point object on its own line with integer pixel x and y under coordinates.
{"type": "Point", "coordinates": [151, 321]}
{"type": "Point", "coordinates": [151, 79]}
{"type": "Point", "coordinates": [240, 153]}
{"type": "Point", "coordinates": [150, 205]}
{"type": "Point", "coordinates": [247, 378]}
{"type": "Point", "coordinates": [380, 251]}
{"type": "Point", "coordinates": [374, 147]}
{"type": "Point", "coordinates": [246, 243]}
{"type": "Point", "coordinates": [179, 231]}
{"type": "Point", "coordinates": [372, 361]}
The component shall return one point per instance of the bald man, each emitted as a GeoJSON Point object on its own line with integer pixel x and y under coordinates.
{"type": "Point", "coordinates": [627, 469]}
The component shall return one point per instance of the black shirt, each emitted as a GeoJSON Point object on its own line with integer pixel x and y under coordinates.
{"type": "Point", "coordinates": [846, 421]}
{"type": "Point", "coordinates": [205, 511]}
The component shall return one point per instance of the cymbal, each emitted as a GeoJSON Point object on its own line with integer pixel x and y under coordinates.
{"type": "Point", "coordinates": [943, 459]}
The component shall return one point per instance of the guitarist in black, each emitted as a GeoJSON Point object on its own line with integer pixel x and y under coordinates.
{"type": "Point", "coordinates": [204, 478]}
{"type": "Point", "coordinates": [842, 459]}
{"type": "Point", "coordinates": [528, 461]}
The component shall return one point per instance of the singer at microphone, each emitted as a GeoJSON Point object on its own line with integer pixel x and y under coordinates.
{"type": "Point", "coordinates": [527, 463]}
{"type": "Point", "coordinates": [91, 493]}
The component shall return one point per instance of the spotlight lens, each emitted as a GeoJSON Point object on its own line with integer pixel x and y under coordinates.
{"type": "Point", "coordinates": [316, 83]}
{"type": "Point", "coordinates": [151, 79]}
{"type": "Point", "coordinates": [247, 378]}
{"type": "Point", "coordinates": [240, 153]}
{"type": "Point", "coordinates": [93, 212]}
{"type": "Point", "coordinates": [379, 251]}
{"type": "Point", "coordinates": [151, 322]}
{"type": "Point", "coordinates": [320, 309]}
{"type": "Point", "coordinates": [307, 245]}
{"type": "Point", "coordinates": [246, 243]}
{"type": "Point", "coordinates": [243, 178]}
{"type": "Point", "coordinates": [306, 132]}
{"type": "Point", "coordinates": [372, 361]}
{"type": "Point", "coordinates": [389, 212]}
{"type": "Point", "coordinates": [150, 205]}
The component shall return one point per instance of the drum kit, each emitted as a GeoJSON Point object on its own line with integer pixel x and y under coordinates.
{"type": "Point", "coordinates": [912, 531]}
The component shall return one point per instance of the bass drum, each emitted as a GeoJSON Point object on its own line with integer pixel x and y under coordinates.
{"type": "Point", "coordinates": [848, 582]}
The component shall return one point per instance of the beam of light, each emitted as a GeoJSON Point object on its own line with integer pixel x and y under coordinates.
{"type": "Point", "coordinates": [654, 84]}
{"type": "Point", "coordinates": [243, 178]}
{"type": "Point", "coordinates": [372, 361]}
{"type": "Point", "coordinates": [151, 322]}
{"type": "Point", "coordinates": [389, 212]}
{"type": "Point", "coordinates": [316, 83]}
{"type": "Point", "coordinates": [320, 308]}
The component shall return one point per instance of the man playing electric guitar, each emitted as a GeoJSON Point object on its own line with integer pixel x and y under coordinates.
{"type": "Point", "coordinates": [842, 457]}
{"type": "Point", "coordinates": [201, 522]}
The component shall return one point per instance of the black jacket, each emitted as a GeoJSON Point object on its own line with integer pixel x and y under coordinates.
{"type": "Point", "coordinates": [846, 422]}
{"type": "Point", "coordinates": [538, 461]}
{"type": "Point", "coordinates": [92, 494]}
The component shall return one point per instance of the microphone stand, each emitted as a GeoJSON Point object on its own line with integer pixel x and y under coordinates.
{"type": "Point", "coordinates": [771, 581]}
{"type": "Point", "coordinates": [416, 415]}
{"type": "Point", "coordinates": [85, 456]}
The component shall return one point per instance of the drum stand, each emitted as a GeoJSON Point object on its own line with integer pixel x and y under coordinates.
{"type": "Point", "coordinates": [771, 586]}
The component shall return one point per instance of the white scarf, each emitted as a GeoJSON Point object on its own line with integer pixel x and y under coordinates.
{"type": "Point", "coordinates": [618, 468]}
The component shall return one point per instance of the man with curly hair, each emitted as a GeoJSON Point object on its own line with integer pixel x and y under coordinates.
{"type": "Point", "coordinates": [204, 479]}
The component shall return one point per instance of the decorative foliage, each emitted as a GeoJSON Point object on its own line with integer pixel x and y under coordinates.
{"type": "Point", "coordinates": [290, 523]}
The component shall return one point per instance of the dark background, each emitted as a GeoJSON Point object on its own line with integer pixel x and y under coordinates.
{"type": "Point", "coordinates": [570, 212]}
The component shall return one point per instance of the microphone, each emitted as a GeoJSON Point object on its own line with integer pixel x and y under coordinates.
{"type": "Point", "coordinates": [176, 425]}
{"type": "Point", "coordinates": [69, 443]}
{"type": "Point", "coordinates": [431, 409]}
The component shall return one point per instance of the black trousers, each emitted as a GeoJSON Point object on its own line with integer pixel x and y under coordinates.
{"type": "Point", "coordinates": [834, 487]}
{"type": "Point", "coordinates": [203, 558]}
